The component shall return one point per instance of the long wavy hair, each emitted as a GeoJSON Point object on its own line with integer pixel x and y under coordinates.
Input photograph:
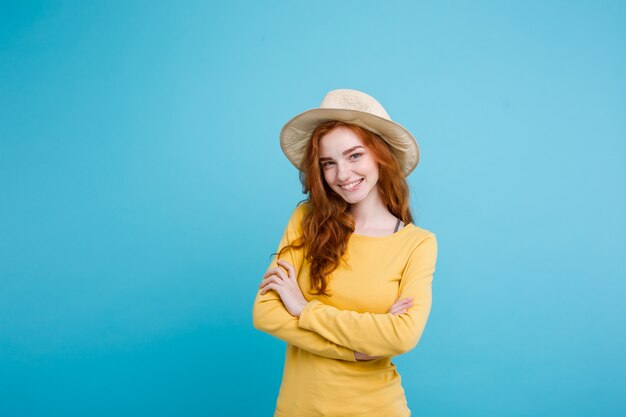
{"type": "Point", "coordinates": [328, 224]}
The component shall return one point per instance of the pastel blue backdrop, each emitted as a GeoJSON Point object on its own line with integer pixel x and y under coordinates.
{"type": "Point", "coordinates": [142, 190]}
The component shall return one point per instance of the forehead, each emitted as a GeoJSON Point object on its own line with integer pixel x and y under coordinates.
{"type": "Point", "coordinates": [339, 140]}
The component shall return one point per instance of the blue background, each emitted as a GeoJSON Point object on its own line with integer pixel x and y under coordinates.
{"type": "Point", "coordinates": [142, 190]}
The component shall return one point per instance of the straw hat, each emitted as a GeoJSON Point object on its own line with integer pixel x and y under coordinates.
{"type": "Point", "coordinates": [350, 106]}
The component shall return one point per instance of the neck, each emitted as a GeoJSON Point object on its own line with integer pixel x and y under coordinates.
{"type": "Point", "coordinates": [370, 212]}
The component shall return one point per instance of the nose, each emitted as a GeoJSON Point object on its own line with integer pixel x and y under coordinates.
{"type": "Point", "coordinates": [343, 171]}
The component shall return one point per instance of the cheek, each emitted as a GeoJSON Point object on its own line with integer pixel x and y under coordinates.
{"type": "Point", "coordinates": [327, 175]}
{"type": "Point", "coordinates": [371, 168]}
{"type": "Point", "coordinates": [375, 168]}
{"type": "Point", "coordinates": [374, 172]}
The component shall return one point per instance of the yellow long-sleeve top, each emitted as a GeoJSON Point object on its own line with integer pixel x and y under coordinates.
{"type": "Point", "coordinates": [321, 376]}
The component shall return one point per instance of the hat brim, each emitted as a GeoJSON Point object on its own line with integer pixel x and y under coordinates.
{"type": "Point", "coordinates": [295, 135]}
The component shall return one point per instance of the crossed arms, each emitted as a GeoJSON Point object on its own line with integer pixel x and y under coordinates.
{"type": "Point", "coordinates": [341, 334]}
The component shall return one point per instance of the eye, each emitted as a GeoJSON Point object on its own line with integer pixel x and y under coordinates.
{"type": "Point", "coordinates": [356, 156]}
{"type": "Point", "coordinates": [327, 164]}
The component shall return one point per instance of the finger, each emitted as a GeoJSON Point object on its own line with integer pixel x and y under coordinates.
{"type": "Point", "coordinates": [405, 306]}
{"type": "Point", "coordinates": [271, 279]}
{"type": "Point", "coordinates": [395, 310]}
{"type": "Point", "coordinates": [405, 302]}
{"type": "Point", "coordinates": [270, 287]}
{"type": "Point", "coordinates": [402, 303]}
{"type": "Point", "coordinates": [290, 269]}
{"type": "Point", "coordinates": [276, 271]}
{"type": "Point", "coordinates": [399, 308]}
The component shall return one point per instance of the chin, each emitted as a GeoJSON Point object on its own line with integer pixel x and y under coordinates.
{"type": "Point", "coordinates": [354, 199]}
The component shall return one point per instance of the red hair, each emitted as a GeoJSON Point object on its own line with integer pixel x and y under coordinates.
{"type": "Point", "coordinates": [328, 224]}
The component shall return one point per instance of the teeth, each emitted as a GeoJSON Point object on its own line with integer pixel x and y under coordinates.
{"type": "Point", "coordinates": [351, 185]}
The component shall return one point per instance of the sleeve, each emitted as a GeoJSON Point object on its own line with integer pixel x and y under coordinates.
{"type": "Point", "coordinates": [270, 315]}
{"type": "Point", "coordinates": [382, 334]}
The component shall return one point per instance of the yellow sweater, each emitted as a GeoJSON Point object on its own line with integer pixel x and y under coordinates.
{"type": "Point", "coordinates": [321, 376]}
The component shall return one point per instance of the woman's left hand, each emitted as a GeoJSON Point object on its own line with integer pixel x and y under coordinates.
{"type": "Point", "coordinates": [286, 285]}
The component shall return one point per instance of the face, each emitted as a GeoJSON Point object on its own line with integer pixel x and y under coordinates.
{"type": "Point", "coordinates": [348, 166]}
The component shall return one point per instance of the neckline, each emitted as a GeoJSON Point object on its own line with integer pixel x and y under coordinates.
{"type": "Point", "coordinates": [392, 235]}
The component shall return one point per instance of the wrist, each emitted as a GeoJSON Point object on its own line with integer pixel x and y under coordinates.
{"type": "Point", "coordinates": [300, 308]}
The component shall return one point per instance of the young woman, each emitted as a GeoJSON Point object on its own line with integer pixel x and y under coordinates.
{"type": "Point", "coordinates": [351, 286]}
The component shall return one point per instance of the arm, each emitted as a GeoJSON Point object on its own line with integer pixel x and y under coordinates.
{"type": "Point", "coordinates": [270, 315]}
{"type": "Point", "coordinates": [382, 334]}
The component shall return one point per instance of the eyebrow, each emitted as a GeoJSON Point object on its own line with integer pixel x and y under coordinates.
{"type": "Point", "coordinates": [346, 152]}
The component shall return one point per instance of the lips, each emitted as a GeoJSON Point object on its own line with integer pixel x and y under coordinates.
{"type": "Point", "coordinates": [351, 185]}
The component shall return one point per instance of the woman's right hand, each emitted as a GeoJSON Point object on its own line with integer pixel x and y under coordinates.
{"type": "Point", "coordinates": [399, 307]}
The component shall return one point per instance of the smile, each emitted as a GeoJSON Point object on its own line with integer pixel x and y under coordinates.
{"type": "Point", "coordinates": [351, 185]}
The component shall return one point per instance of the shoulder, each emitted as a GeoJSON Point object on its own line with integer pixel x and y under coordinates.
{"type": "Point", "coordinates": [419, 233]}
{"type": "Point", "coordinates": [422, 249]}
{"type": "Point", "coordinates": [299, 211]}
{"type": "Point", "coordinates": [297, 215]}
{"type": "Point", "coordinates": [419, 237]}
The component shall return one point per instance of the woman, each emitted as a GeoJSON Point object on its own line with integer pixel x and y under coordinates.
{"type": "Point", "coordinates": [351, 287]}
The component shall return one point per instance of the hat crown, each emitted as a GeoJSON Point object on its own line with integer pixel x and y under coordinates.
{"type": "Point", "coordinates": [353, 100]}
